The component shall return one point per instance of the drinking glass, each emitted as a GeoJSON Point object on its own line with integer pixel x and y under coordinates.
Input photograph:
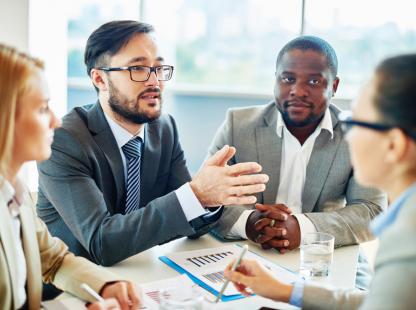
{"type": "Point", "coordinates": [316, 254]}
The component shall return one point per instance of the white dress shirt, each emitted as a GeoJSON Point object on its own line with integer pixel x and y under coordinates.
{"type": "Point", "coordinates": [191, 206]}
{"type": "Point", "coordinates": [14, 197]}
{"type": "Point", "coordinates": [295, 159]}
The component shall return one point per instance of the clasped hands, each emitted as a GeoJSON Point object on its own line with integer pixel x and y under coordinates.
{"type": "Point", "coordinates": [273, 226]}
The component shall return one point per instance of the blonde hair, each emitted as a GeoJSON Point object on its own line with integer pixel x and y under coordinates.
{"type": "Point", "coordinates": [15, 70]}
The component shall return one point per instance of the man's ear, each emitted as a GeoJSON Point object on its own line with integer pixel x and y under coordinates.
{"type": "Point", "coordinates": [335, 86]}
{"type": "Point", "coordinates": [99, 79]}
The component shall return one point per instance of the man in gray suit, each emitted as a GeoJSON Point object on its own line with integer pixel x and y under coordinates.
{"type": "Point", "coordinates": [381, 134]}
{"type": "Point", "coordinates": [117, 182]}
{"type": "Point", "coordinates": [298, 142]}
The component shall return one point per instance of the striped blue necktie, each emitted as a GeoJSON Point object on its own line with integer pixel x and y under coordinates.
{"type": "Point", "coordinates": [132, 150]}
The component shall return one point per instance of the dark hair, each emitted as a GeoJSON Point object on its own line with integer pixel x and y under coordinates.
{"type": "Point", "coordinates": [315, 44]}
{"type": "Point", "coordinates": [395, 95]}
{"type": "Point", "coordinates": [109, 38]}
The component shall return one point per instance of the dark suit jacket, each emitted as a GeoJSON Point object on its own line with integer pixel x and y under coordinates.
{"type": "Point", "coordinates": [82, 188]}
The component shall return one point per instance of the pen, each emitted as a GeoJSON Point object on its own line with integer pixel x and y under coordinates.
{"type": "Point", "coordinates": [97, 297]}
{"type": "Point", "coordinates": [233, 268]}
{"type": "Point", "coordinates": [93, 293]}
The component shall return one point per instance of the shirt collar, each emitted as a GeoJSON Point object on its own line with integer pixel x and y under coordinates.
{"type": "Point", "coordinates": [121, 135]}
{"type": "Point", "coordinates": [326, 123]}
{"type": "Point", "coordinates": [15, 194]}
{"type": "Point", "coordinates": [386, 219]}
{"type": "Point", "coordinates": [6, 189]}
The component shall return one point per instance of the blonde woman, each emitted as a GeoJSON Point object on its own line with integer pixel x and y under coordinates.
{"type": "Point", "coordinates": [28, 253]}
{"type": "Point", "coordinates": [382, 143]}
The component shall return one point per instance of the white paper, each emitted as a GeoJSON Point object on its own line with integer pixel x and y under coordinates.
{"type": "Point", "coordinates": [65, 303]}
{"type": "Point", "coordinates": [150, 296]}
{"type": "Point", "coordinates": [151, 290]}
{"type": "Point", "coordinates": [208, 265]}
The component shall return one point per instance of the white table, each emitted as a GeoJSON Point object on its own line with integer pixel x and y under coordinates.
{"type": "Point", "coordinates": [146, 267]}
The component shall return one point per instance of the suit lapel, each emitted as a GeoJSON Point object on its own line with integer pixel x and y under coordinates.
{"type": "Point", "coordinates": [105, 140]}
{"type": "Point", "coordinates": [150, 158]}
{"type": "Point", "coordinates": [320, 163]}
{"type": "Point", "coordinates": [269, 148]}
{"type": "Point", "coordinates": [31, 250]}
{"type": "Point", "coordinates": [7, 240]}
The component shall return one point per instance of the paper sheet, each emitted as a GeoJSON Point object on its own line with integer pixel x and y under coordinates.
{"type": "Point", "coordinates": [207, 265]}
{"type": "Point", "coordinates": [64, 304]}
{"type": "Point", "coordinates": [150, 294]}
{"type": "Point", "coordinates": [151, 290]}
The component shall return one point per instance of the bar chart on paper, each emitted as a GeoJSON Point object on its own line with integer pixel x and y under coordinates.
{"type": "Point", "coordinates": [215, 277]}
{"type": "Point", "coordinates": [207, 266]}
{"type": "Point", "coordinates": [208, 261]}
{"type": "Point", "coordinates": [152, 290]}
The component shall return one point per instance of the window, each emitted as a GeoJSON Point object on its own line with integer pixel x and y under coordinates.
{"type": "Point", "coordinates": [84, 18]}
{"type": "Point", "coordinates": [362, 33]}
{"type": "Point", "coordinates": [231, 46]}
{"type": "Point", "coordinates": [224, 52]}
{"type": "Point", "coordinates": [225, 45]}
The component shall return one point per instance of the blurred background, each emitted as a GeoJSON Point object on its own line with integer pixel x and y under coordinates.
{"type": "Point", "coordinates": [224, 51]}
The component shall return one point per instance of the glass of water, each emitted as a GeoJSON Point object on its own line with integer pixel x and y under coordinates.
{"type": "Point", "coordinates": [316, 254]}
{"type": "Point", "coordinates": [180, 298]}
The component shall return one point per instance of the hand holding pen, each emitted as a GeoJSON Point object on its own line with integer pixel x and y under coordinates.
{"type": "Point", "coordinates": [233, 266]}
{"type": "Point", "coordinates": [126, 293]}
{"type": "Point", "coordinates": [252, 277]}
{"type": "Point", "coordinates": [101, 304]}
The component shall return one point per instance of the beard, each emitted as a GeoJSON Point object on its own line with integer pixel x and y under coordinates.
{"type": "Point", "coordinates": [309, 120]}
{"type": "Point", "coordinates": [130, 109]}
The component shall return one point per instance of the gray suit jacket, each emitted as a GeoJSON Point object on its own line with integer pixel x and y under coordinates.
{"type": "Point", "coordinates": [330, 184]}
{"type": "Point", "coordinates": [82, 189]}
{"type": "Point", "coordinates": [394, 282]}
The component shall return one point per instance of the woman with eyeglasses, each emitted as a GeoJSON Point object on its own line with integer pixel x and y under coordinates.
{"type": "Point", "coordinates": [382, 139]}
{"type": "Point", "coordinates": [28, 253]}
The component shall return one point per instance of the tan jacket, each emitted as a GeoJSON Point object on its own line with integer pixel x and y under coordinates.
{"type": "Point", "coordinates": [47, 259]}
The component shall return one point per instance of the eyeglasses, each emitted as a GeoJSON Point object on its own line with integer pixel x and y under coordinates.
{"type": "Point", "coordinates": [346, 121]}
{"type": "Point", "coordinates": [142, 73]}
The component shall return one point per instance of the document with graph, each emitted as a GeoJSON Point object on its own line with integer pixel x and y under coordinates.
{"type": "Point", "coordinates": [151, 290]}
{"type": "Point", "coordinates": [205, 267]}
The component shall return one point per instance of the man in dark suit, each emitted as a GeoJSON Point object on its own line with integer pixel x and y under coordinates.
{"type": "Point", "coordinates": [117, 182]}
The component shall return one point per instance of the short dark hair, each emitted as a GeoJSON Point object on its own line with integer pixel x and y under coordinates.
{"type": "Point", "coordinates": [395, 97]}
{"type": "Point", "coordinates": [109, 38]}
{"type": "Point", "coordinates": [315, 44]}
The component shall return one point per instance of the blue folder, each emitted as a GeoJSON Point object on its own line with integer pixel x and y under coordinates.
{"type": "Point", "coordinates": [175, 266]}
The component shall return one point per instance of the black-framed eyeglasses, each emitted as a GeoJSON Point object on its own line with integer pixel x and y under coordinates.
{"type": "Point", "coordinates": [142, 73]}
{"type": "Point", "coordinates": [347, 122]}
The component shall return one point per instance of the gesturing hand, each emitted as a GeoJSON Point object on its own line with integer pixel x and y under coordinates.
{"type": "Point", "coordinates": [216, 183]}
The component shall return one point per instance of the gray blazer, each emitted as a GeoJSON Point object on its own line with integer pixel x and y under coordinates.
{"type": "Point", "coordinates": [394, 282]}
{"type": "Point", "coordinates": [82, 189]}
{"type": "Point", "coordinates": [330, 184]}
